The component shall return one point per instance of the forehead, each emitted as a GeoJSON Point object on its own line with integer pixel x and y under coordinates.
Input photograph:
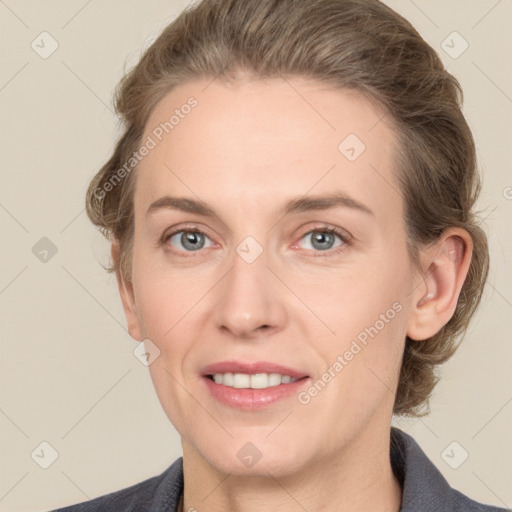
{"type": "Point", "coordinates": [254, 141]}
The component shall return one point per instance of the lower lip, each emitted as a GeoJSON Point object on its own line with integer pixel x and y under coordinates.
{"type": "Point", "coordinates": [253, 399]}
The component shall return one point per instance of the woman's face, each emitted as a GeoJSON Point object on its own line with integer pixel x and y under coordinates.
{"type": "Point", "coordinates": [258, 279]}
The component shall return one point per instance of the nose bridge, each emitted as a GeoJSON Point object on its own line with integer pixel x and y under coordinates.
{"type": "Point", "coordinates": [249, 298]}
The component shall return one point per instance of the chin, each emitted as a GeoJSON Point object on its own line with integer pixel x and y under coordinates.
{"type": "Point", "coordinates": [256, 456]}
{"type": "Point", "coordinates": [276, 464]}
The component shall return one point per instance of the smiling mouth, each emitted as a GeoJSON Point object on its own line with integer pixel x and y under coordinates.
{"type": "Point", "coordinates": [252, 381]}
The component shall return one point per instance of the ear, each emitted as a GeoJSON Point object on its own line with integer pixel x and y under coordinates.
{"type": "Point", "coordinates": [127, 297]}
{"type": "Point", "coordinates": [435, 300]}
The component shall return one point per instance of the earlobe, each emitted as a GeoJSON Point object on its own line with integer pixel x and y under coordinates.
{"type": "Point", "coordinates": [435, 300]}
{"type": "Point", "coordinates": [127, 297]}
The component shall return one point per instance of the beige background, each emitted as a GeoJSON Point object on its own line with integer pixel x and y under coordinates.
{"type": "Point", "coordinates": [68, 376]}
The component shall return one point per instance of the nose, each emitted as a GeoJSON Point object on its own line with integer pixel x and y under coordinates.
{"type": "Point", "coordinates": [250, 300]}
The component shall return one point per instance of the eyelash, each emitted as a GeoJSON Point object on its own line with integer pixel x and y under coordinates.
{"type": "Point", "coordinates": [322, 229]}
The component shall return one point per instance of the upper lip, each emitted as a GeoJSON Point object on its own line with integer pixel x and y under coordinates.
{"type": "Point", "coordinates": [251, 368]}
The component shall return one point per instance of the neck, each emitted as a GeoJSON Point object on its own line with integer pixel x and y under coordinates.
{"type": "Point", "coordinates": [356, 479]}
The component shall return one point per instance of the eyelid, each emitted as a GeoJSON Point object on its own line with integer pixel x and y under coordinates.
{"type": "Point", "coordinates": [344, 235]}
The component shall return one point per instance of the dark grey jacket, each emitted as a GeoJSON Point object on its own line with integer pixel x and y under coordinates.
{"type": "Point", "coordinates": [424, 487]}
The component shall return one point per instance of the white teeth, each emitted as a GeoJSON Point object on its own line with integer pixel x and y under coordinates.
{"type": "Point", "coordinates": [241, 380]}
{"type": "Point", "coordinates": [226, 379]}
{"type": "Point", "coordinates": [254, 381]}
{"type": "Point", "coordinates": [274, 379]}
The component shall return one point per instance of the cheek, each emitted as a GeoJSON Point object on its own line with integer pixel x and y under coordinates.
{"type": "Point", "coordinates": [166, 310]}
{"type": "Point", "coordinates": [367, 310]}
{"type": "Point", "coordinates": [165, 298]}
{"type": "Point", "coordinates": [355, 299]}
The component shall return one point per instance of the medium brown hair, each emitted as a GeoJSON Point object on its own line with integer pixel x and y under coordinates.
{"type": "Point", "coordinates": [360, 45]}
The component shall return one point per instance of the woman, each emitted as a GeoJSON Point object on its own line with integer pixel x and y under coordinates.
{"type": "Point", "coordinates": [291, 216]}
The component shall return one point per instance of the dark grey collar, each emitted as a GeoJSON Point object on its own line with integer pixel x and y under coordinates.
{"type": "Point", "coordinates": [424, 487]}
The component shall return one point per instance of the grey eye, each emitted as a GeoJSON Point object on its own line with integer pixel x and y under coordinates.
{"type": "Point", "coordinates": [321, 240]}
{"type": "Point", "coordinates": [190, 240]}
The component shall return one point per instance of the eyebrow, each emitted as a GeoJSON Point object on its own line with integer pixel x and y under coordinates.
{"type": "Point", "coordinates": [296, 205]}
